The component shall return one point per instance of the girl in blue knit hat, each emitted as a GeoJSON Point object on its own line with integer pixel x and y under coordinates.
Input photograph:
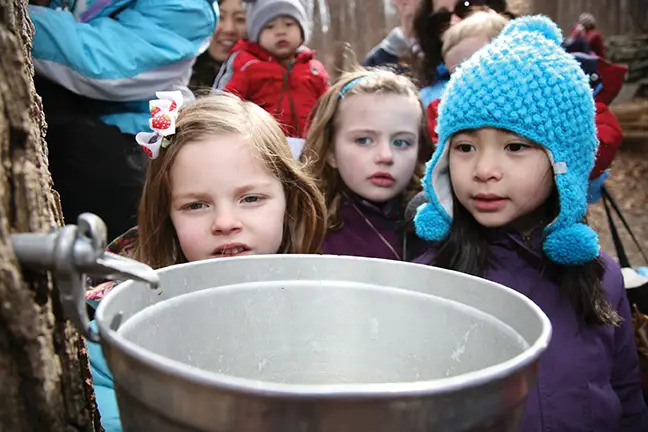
{"type": "Point", "coordinates": [506, 190]}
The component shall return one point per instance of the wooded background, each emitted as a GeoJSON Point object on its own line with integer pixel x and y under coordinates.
{"type": "Point", "coordinates": [364, 23]}
{"type": "Point", "coordinates": [45, 380]}
{"type": "Point", "coordinates": [614, 17]}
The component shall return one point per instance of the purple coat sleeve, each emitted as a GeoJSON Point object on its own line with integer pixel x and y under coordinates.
{"type": "Point", "coordinates": [426, 258]}
{"type": "Point", "coordinates": [625, 373]}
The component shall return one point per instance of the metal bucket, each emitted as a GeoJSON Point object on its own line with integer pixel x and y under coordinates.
{"type": "Point", "coordinates": [320, 343]}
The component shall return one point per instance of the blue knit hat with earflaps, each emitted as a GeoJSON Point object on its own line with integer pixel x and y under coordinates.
{"type": "Point", "coordinates": [526, 83]}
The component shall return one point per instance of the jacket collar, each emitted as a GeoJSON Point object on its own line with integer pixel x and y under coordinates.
{"type": "Point", "coordinates": [304, 54]}
{"type": "Point", "coordinates": [529, 245]}
{"type": "Point", "coordinates": [390, 210]}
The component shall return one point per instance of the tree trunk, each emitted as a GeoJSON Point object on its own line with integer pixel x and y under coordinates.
{"type": "Point", "coordinates": [45, 382]}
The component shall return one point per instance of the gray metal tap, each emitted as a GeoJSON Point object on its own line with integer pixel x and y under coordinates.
{"type": "Point", "coordinates": [72, 253]}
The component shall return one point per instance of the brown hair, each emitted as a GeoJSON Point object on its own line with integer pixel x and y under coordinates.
{"type": "Point", "coordinates": [321, 135]}
{"type": "Point", "coordinates": [304, 222]}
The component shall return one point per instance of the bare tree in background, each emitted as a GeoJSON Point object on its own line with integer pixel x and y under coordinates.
{"type": "Point", "coordinates": [45, 382]}
{"type": "Point", "coordinates": [613, 17]}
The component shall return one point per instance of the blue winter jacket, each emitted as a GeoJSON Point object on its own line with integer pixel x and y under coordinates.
{"type": "Point", "coordinates": [435, 90]}
{"type": "Point", "coordinates": [104, 387]}
{"type": "Point", "coordinates": [121, 51]}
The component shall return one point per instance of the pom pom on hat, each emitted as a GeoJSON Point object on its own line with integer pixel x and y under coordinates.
{"type": "Point", "coordinates": [575, 245]}
{"type": "Point", "coordinates": [431, 223]}
{"type": "Point", "coordinates": [538, 25]}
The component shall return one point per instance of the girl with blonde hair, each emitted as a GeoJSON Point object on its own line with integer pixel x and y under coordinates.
{"type": "Point", "coordinates": [366, 147]}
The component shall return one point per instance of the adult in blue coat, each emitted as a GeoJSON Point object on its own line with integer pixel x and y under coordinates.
{"type": "Point", "coordinates": [98, 63]}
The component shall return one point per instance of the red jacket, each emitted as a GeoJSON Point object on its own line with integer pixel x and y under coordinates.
{"type": "Point", "coordinates": [608, 131]}
{"type": "Point", "coordinates": [432, 115]}
{"type": "Point", "coordinates": [288, 93]}
{"type": "Point", "coordinates": [593, 38]}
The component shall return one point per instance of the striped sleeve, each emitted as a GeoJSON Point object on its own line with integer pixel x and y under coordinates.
{"type": "Point", "coordinates": [225, 73]}
{"type": "Point", "coordinates": [125, 56]}
{"type": "Point", "coordinates": [232, 78]}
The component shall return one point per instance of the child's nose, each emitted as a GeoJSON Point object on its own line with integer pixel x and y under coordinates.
{"type": "Point", "coordinates": [488, 166]}
{"type": "Point", "coordinates": [225, 222]}
{"type": "Point", "coordinates": [384, 153]}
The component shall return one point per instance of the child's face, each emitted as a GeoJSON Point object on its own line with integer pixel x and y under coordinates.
{"type": "Point", "coordinates": [501, 178]}
{"type": "Point", "coordinates": [376, 144]}
{"type": "Point", "coordinates": [463, 50]}
{"type": "Point", "coordinates": [223, 202]}
{"type": "Point", "coordinates": [281, 37]}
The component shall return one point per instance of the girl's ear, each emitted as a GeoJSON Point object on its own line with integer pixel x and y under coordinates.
{"type": "Point", "coordinates": [331, 160]}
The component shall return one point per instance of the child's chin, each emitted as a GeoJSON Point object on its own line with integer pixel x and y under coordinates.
{"type": "Point", "coordinates": [491, 220]}
{"type": "Point", "coordinates": [283, 53]}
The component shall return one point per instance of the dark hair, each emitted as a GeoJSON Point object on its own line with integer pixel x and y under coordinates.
{"type": "Point", "coordinates": [428, 28]}
{"type": "Point", "coordinates": [463, 8]}
{"type": "Point", "coordinates": [466, 250]}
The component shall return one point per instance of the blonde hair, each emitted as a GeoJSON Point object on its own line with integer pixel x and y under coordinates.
{"type": "Point", "coordinates": [587, 20]}
{"type": "Point", "coordinates": [483, 23]}
{"type": "Point", "coordinates": [321, 135]}
{"type": "Point", "coordinates": [304, 222]}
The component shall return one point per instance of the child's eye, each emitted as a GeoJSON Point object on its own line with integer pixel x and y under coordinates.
{"type": "Point", "coordinates": [194, 206]}
{"type": "Point", "coordinates": [402, 143]}
{"type": "Point", "coordinates": [516, 147]}
{"type": "Point", "coordinates": [251, 199]}
{"type": "Point", "coordinates": [464, 148]}
{"type": "Point", "coordinates": [363, 140]}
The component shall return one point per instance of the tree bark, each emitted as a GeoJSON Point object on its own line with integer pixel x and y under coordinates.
{"type": "Point", "coordinates": [45, 381]}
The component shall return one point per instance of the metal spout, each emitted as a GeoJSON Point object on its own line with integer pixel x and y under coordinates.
{"type": "Point", "coordinates": [116, 267]}
{"type": "Point", "coordinates": [72, 253]}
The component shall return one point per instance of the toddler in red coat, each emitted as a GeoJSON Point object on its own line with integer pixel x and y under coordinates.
{"type": "Point", "coordinates": [273, 68]}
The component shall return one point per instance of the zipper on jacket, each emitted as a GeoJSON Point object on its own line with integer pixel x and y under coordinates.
{"type": "Point", "coordinates": [292, 104]}
{"type": "Point", "coordinates": [528, 241]}
{"type": "Point", "coordinates": [285, 89]}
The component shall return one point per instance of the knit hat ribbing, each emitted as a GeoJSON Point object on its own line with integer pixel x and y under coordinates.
{"type": "Point", "coordinates": [526, 83]}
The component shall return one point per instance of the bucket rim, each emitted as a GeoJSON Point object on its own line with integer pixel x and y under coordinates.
{"type": "Point", "coordinates": [261, 388]}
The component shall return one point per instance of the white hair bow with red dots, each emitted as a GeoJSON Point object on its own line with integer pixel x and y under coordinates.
{"type": "Point", "coordinates": [164, 112]}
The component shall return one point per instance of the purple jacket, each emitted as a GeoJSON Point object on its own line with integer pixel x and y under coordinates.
{"type": "Point", "coordinates": [358, 238]}
{"type": "Point", "coordinates": [589, 376]}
